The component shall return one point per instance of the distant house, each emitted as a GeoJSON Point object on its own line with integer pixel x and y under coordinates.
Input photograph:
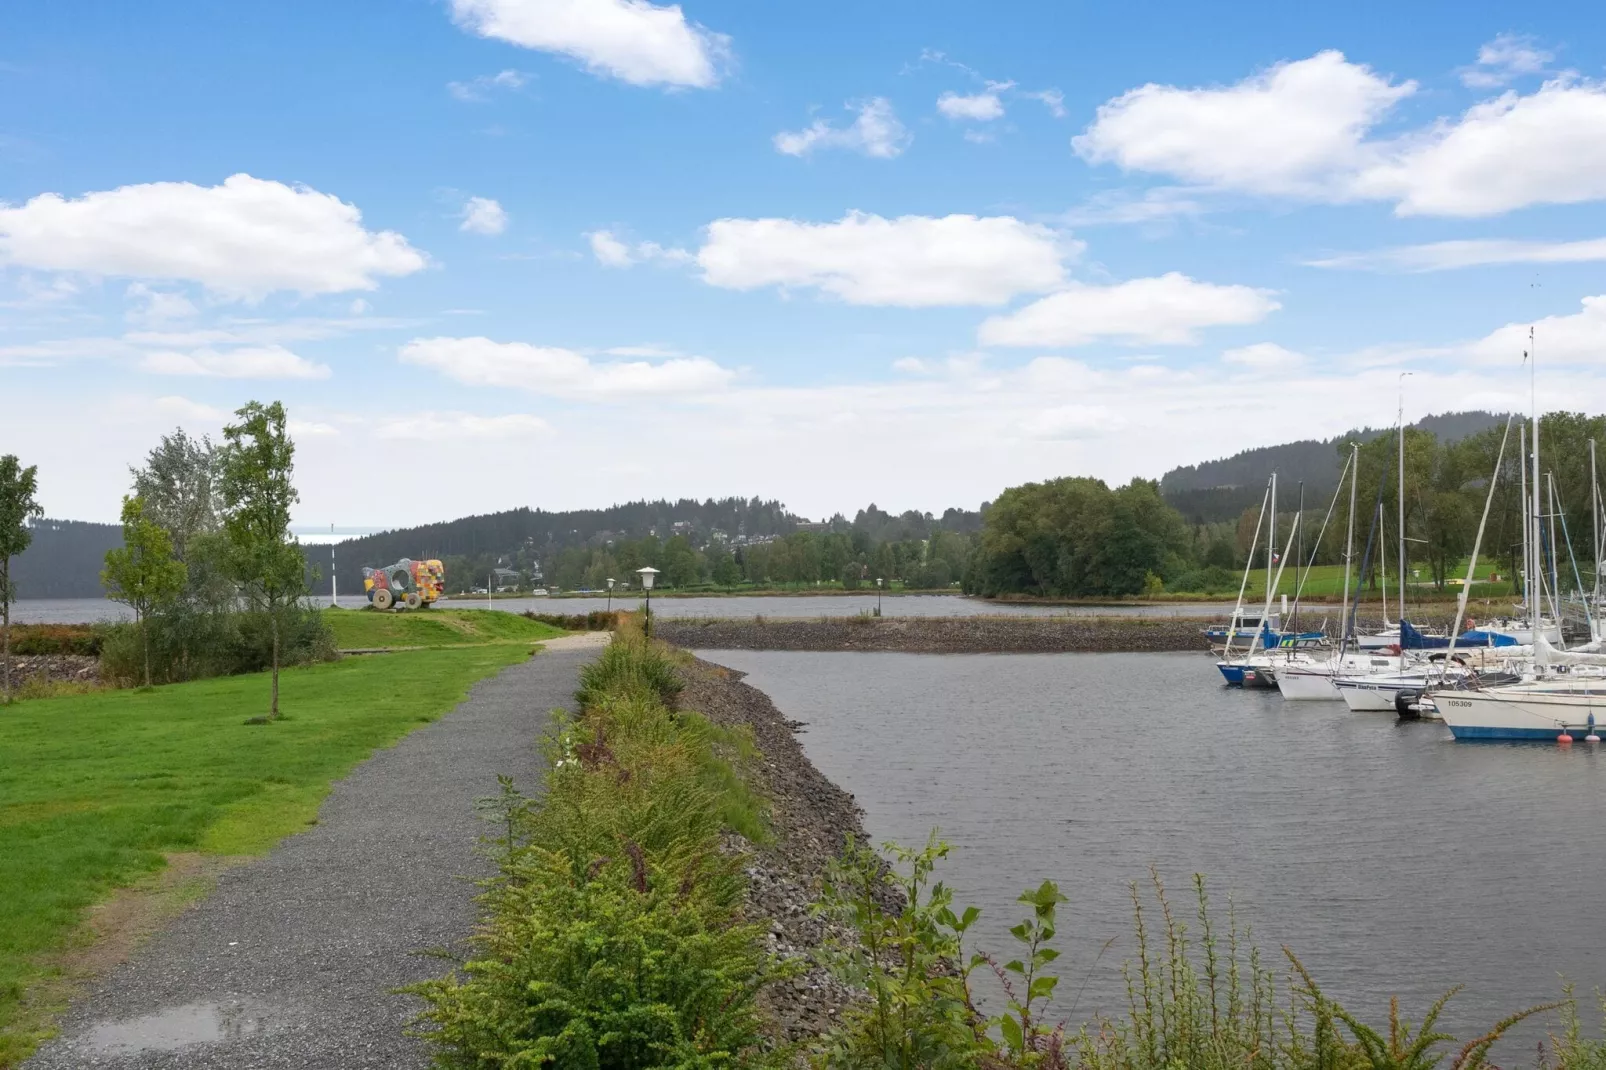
{"type": "Point", "coordinates": [504, 579]}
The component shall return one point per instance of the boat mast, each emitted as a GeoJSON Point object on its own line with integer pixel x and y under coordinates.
{"type": "Point", "coordinates": [1477, 543]}
{"type": "Point", "coordinates": [1299, 555]}
{"type": "Point", "coordinates": [1349, 538]}
{"type": "Point", "coordinates": [1271, 544]}
{"type": "Point", "coordinates": [1522, 501]}
{"type": "Point", "coordinates": [1400, 432]}
{"type": "Point", "coordinates": [1594, 498]}
{"type": "Point", "coordinates": [1243, 586]}
{"type": "Point", "coordinates": [1533, 405]}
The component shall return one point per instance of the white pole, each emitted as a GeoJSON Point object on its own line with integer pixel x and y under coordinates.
{"type": "Point", "coordinates": [1401, 424]}
{"type": "Point", "coordinates": [1349, 538]}
{"type": "Point", "coordinates": [1522, 500]}
{"type": "Point", "coordinates": [1537, 584]}
{"type": "Point", "coordinates": [1271, 550]}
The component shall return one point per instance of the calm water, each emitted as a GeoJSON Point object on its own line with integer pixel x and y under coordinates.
{"type": "Point", "coordinates": [1391, 859]}
{"type": "Point", "coordinates": [83, 610]}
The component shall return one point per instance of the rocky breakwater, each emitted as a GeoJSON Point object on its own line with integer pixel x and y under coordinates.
{"type": "Point", "coordinates": [940, 635]}
{"type": "Point", "coordinates": [811, 818]}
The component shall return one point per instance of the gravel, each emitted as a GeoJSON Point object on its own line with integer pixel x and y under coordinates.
{"type": "Point", "coordinates": [291, 962]}
{"type": "Point", "coordinates": [940, 635]}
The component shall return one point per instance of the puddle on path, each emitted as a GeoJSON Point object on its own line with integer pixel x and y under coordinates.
{"type": "Point", "coordinates": [177, 1027]}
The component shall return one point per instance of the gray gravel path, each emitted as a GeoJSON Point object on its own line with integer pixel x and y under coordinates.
{"type": "Point", "coordinates": [291, 961]}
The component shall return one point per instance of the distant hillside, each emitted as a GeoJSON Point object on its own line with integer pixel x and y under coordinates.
{"type": "Point", "coordinates": [65, 559]}
{"type": "Point", "coordinates": [1223, 489]}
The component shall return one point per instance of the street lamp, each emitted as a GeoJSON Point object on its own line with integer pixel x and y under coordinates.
{"type": "Point", "coordinates": [878, 596]}
{"type": "Point", "coordinates": [610, 594]}
{"type": "Point", "coordinates": [648, 574]}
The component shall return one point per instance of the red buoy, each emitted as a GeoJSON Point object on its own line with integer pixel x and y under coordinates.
{"type": "Point", "coordinates": [1564, 738]}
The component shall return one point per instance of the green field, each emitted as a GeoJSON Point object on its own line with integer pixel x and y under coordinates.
{"type": "Point", "coordinates": [1327, 581]}
{"type": "Point", "coordinates": [96, 789]}
{"type": "Point", "coordinates": [368, 629]}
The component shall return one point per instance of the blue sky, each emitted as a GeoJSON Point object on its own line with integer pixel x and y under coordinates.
{"type": "Point", "coordinates": [568, 252]}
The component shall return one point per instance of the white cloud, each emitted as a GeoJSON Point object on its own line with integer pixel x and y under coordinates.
{"type": "Point", "coordinates": [1507, 57]}
{"type": "Point", "coordinates": [562, 373]}
{"type": "Point", "coordinates": [482, 215]}
{"type": "Point", "coordinates": [310, 429]}
{"type": "Point", "coordinates": [243, 239]}
{"type": "Point", "coordinates": [442, 426]}
{"type": "Point", "coordinates": [1579, 338]}
{"type": "Point", "coordinates": [875, 132]}
{"type": "Point", "coordinates": [1447, 255]}
{"type": "Point", "coordinates": [632, 40]}
{"type": "Point", "coordinates": [1157, 205]}
{"type": "Point", "coordinates": [359, 307]}
{"type": "Point", "coordinates": [1284, 130]}
{"type": "Point", "coordinates": [611, 251]}
{"type": "Point", "coordinates": [978, 107]}
{"type": "Point", "coordinates": [479, 89]}
{"type": "Point", "coordinates": [156, 307]}
{"type": "Point", "coordinates": [1507, 153]}
{"type": "Point", "coordinates": [1064, 422]}
{"type": "Point", "coordinates": [184, 409]}
{"type": "Point", "coordinates": [1302, 129]}
{"type": "Point", "coordinates": [1052, 99]}
{"type": "Point", "coordinates": [1168, 310]}
{"type": "Point", "coordinates": [1267, 356]}
{"type": "Point", "coordinates": [911, 261]}
{"type": "Point", "coordinates": [258, 362]}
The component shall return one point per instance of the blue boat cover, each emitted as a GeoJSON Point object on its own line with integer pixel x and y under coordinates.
{"type": "Point", "coordinates": [1412, 639]}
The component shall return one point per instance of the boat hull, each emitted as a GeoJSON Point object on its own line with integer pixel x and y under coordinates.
{"type": "Point", "coordinates": [1511, 715]}
{"type": "Point", "coordinates": [1307, 685]}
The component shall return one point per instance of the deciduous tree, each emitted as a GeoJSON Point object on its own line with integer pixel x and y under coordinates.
{"type": "Point", "coordinates": [142, 573]}
{"type": "Point", "coordinates": [18, 485]}
{"type": "Point", "coordinates": [257, 464]}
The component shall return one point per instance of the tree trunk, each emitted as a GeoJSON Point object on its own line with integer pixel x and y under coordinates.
{"type": "Point", "coordinates": [5, 622]}
{"type": "Point", "coordinates": [145, 642]}
{"type": "Point", "coordinates": [273, 623]}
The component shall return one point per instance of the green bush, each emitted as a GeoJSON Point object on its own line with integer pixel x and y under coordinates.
{"type": "Point", "coordinates": [598, 620]}
{"type": "Point", "coordinates": [81, 639]}
{"type": "Point", "coordinates": [1211, 580]}
{"type": "Point", "coordinates": [193, 645]}
{"type": "Point", "coordinates": [612, 937]}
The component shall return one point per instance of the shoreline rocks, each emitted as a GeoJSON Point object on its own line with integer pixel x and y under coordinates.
{"type": "Point", "coordinates": [811, 819]}
{"type": "Point", "coordinates": [940, 635]}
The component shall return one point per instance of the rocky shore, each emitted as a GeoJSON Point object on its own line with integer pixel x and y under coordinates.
{"type": "Point", "coordinates": [811, 819]}
{"type": "Point", "coordinates": [55, 668]}
{"type": "Point", "coordinates": [940, 635]}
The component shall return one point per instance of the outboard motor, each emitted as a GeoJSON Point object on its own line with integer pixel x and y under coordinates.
{"type": "Point", "coordinates": [1405, 704]}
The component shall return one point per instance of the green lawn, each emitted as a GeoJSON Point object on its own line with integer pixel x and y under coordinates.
{"type": "Point", "coordinates": [96, 788]}
{"type": "Point", "coordinates": [366, 629]}
{"type": "Point", "coordinates": [1328, 581]}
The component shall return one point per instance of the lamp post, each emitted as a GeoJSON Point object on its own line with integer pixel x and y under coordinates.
{"type": "Point", "coordinates": [648, 574]}
{"type": "Point", "coordinates": [610, 594]}
{"type": "Point", "coordinates": [878, 596]}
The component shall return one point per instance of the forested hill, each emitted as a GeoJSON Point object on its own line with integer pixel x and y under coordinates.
{"type": "Point", "coordinates": [522, 538]}
{"type": "Point", "coordinates": [64, 559]}
{"type": "Point", "coordinates": [1223, 489]}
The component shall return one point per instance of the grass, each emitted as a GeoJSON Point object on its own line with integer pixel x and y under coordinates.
{"type": "Point", "coordinates": [367, 629]}
{"type": "Point", "coordinates": [97, 789]}
{"type": "Point", "coordinates": [1327, 581]}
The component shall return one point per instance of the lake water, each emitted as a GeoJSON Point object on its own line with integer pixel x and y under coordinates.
{"type": "Point", "coordinates": [1391, 859]}
{"type": "Point", "coordinates": [86, 610]}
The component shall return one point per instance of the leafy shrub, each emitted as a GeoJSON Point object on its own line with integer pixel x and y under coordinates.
{"type": "Point", "coordinates": [598, 620]}
{"type": "Point", "coordinates": [1211, 580]}
{"type": "Point", "coordinates": [612, 936]}
{"type": "Point", "coordinates": [81, 639]}
{"type": "Point", "coordinates": [189, 645]}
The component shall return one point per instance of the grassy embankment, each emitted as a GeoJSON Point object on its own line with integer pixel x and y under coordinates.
{"type": "Point", "coordinates": [367, 629]}
{"type": "Point", "coordinates": [1327, 582]}
{"type": "Point", "coordinates": [100, 791]}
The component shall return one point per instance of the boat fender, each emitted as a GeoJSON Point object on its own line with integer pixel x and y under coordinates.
{"type": "Point", "coordinates": [1564, 739]}
{"type": "Point", "coordinates": [1405, 704]}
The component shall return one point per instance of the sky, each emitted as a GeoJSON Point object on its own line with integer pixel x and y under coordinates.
{"type": "Point", "coordinates": [566, 253]}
